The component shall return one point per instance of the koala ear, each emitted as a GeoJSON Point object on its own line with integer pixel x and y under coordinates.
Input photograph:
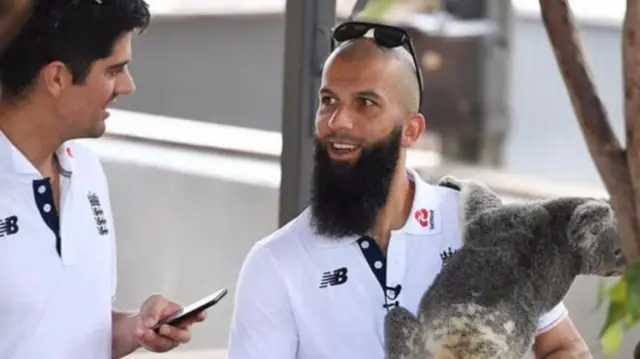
{"type": "Point", "coordinates": [450, 182]}
{"type": "Point", "coordinates": [589, 220]}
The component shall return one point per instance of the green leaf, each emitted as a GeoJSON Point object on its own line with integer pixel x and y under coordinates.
{"type": "Point", "coordinates": [611, 341]}
{"type": "Point", "coordinates": [618, 292]}
{"type": "Point", "coordinates": [616, 312]}
{"type": "Point", "coordinates": [376, 9]}
{"type": "Point", "coordinates": [602, 293]}
{"type": "Point", "coordinates": [632, 277]}
{"type": "Point", "coordinates": [630, 321]}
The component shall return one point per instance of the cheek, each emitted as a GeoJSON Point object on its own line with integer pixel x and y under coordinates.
{"type": "Point", "coordinates": [107, 89]}
{"type": "Point", "coordinates": [100, 91]}
{"type": "Point", "coordinates": [322, 125]}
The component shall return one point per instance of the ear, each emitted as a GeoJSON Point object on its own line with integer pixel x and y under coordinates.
{"type": "Point", "coordinates": [414, 128]}
{"type": "Point", "coordinates": [55, 77]}
{"type": "Point", "coordinates": [590, 220]}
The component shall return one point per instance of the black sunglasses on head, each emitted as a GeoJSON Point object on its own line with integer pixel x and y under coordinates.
{"type": "Point", "coordinates": [384, 35]}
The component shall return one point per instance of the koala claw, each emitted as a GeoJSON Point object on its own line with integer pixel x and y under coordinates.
{"type": "Point", "coordinates": [450, 182]}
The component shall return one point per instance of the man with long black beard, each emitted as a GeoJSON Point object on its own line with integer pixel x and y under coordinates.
{"type": "Point", "coordinates": [347, 197]}
{"type": "Point", "coordinates": [374, 236]}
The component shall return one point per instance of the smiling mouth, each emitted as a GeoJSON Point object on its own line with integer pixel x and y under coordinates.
{"type": "Point", "coordinates": [342, 150]}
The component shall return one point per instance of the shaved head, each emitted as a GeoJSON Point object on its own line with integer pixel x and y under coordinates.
{"type": "Point", "coordinates": [365, 49]}
{"type": "Point", "coordinates": [368, 114]}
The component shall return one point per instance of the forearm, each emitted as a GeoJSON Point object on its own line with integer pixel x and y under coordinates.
{"type": "Point", "coordinates": [123, 334]}
{"type": "Point", "coordinates": [576, 349]}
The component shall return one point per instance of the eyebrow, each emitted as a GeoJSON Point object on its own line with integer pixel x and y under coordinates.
{"type": "Point", "coordinates": [119, 65]}
{"type": "Point", "coordinates": [326, 91]}
{"type": "Point", "coordinates": [369, 94]}
{"type": "Point", "coordinates": [365, 93]}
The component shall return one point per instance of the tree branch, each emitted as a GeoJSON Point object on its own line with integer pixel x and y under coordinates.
{"type": "Point", "coordinates": [13, 14]}
{"type": "Point", "coordinates": [631, 73]}
{"type": "Point", "coordinates": [605, 150]}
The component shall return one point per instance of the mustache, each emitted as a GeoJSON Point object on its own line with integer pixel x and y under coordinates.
{"type": "Point", "coordinates": [336, 137]}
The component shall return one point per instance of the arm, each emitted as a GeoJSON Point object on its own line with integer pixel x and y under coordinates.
{"type": "Point", "coordinates": [558, 338]}
{"type": "Point", "coordinates": [123, 342]}
{"type": "Point", "coordinates": [262, 326]}
{"type": "Point", "coordinates": [128, 331]}
{"type": "Point", "coordinates": [123, 324]}
{"type": "Point", "coordinates": [133, 330]}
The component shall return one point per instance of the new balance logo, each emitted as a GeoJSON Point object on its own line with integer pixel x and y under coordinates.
{"type": "Point", "coordinates": [445, 255]}
{"type": "Point", "coordinates": [9, 226]}
{"type": "Point", "coordinates": [336, 277]}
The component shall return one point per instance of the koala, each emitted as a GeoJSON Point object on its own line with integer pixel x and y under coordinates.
{"type": "Point", "coordinates": [517, 262]}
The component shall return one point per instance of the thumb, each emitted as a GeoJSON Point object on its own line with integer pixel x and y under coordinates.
{"type": "Point", "coordinates": [151, 312]}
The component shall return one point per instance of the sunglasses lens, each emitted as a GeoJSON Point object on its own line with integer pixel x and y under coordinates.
{"type": "Point", "coordinates": [390, 37]}
{"type": "Point", "coordinates": [349, 31]}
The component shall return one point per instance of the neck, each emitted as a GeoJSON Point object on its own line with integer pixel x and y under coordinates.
{"type": "Point", "coordinates": [395, 212]}
{"type": "Point", "coordinates": [30, 130]}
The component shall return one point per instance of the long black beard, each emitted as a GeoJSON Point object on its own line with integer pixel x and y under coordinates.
{"type": "Point", "coordinates": [346, 198]}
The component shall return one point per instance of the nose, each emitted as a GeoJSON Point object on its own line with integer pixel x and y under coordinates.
{"type": "Point", "coordinates": [618, 252]}
{"type": "Point", "coordinates": [125, 84]}
{"type": "Point", "coordinates": [340, 120]}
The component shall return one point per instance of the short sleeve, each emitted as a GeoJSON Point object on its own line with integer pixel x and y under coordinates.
{"type": "Point", "coordinates": [114, 251]}
{"type": "Point", "coordinates": [262, 324]}
{"type": "Point", "coordinates": [552, 318]}
{"type": "Point", "coordinates": [112, 232]}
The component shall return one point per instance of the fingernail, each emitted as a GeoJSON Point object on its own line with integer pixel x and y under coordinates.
{"type": "Point", "coordinates": [150, 322]}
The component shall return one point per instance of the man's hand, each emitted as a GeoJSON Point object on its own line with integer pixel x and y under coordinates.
{"type": "Point", "coordinates": [155, 309]}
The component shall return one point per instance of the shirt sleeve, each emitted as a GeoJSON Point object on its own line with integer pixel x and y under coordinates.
{"type": "Point", "coordinates": [262, 324]}
{"type": "Point", "coordinates": [552, 318]}
{"type": "Point", "coordinates": [112, 231]}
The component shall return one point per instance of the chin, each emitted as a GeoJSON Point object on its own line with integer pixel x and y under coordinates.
{"type": "Point", "coordinates": [97, 131]}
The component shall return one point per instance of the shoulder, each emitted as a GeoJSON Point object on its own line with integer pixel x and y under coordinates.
{"type": "Point", "coordinates": [285, 240]}
{"type": "Point", "coordinates": [82, 155]}
{"type": "Point", "coordinates": [440, 193]}
{"type": "Point", "coordinates": [85, 162]}
{"type": "Point", "coordinates": [271, 257]}
{"type": "Point", "coordinates": [444, 198]}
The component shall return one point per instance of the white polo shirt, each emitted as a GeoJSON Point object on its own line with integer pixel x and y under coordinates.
{"type": "Point", "coordinates": [55, 305]}
{"type": "Point", "coordinates": [303, 296]}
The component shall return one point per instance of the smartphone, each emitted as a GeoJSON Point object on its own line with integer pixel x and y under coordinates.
{"type": "Point", "coordinates": [193, 309]}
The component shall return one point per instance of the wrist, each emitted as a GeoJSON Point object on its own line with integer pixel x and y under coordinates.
{"type": "Point", "coordinates": [124, 326]}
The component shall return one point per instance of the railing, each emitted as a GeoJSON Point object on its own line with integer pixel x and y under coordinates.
{"type": "Point", "coordinates": [265, 146]}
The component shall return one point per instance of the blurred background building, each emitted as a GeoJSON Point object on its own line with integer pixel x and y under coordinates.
{"type": "Point", "coordinates": [193, 157]}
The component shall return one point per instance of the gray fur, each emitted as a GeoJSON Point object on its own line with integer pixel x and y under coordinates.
{"type": "Point", "coordinates": [517, 262]}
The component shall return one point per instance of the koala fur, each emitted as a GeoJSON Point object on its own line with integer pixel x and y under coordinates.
{"type": "Point", "coordinates": [517, 262]}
